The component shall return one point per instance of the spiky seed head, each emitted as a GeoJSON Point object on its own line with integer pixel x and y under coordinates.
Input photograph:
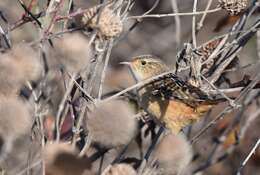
{"type": "Point", "coordinates": [109, 24]}
{"type": "Point", "coordinates": [17, 66]}
{"type": "Point", "coordinates": [173, 153]}
{"type": "Point", "coordinates": [15, 121]}
{"type": "Point", "coordinates": [112, 124]}
{"type": "Point", "coordinates": [234, 7]}
{"type": "Point", "coordinates": [71, 51]}
{"type": "Point", "coordinates": [10, 77]}
{"type": "Point", "coordinates": [27, 61]}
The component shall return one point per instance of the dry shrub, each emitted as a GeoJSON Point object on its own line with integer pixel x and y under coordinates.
{"type": "Point", "coordinates": [112, 123]}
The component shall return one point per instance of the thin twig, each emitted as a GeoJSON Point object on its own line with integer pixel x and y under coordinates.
{"type": "Point", "coordinates": [81, 88]}
{"type": "Point", "coordinates": [248, 157]}
{"type": "Point", "coordinates": [103, 74]}
{"type": "Point", "coordinates": [258, 43]}
{"type": "Point", "coordinates": [86, 146]}
{"type": "Point", "coordinates": [37, 163]}
{"type": "Point", "coordinates": [68, 11]}
{"type": "Point", "coordinates": [194, 40]}
{"type": "Point", "coordinates": [174, 14]}
{"type": "Point", "coordinates": [177, 23]}
{"type": "Point", "coordinates": [200, 23]}
{"type": "Point", "coordinates": [152, 8]}
{"type": "Point", "coordinates": [231, 102]}
{"type": "Point", "coordinates": [62, 105]}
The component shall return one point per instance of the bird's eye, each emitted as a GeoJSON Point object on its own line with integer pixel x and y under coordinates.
{"type": "Point", "coordinates": [143, 63]}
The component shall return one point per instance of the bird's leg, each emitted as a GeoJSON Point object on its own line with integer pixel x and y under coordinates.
{"type": "Point", "coordinates": [143, 116]}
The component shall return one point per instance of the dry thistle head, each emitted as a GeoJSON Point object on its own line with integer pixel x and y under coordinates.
{"type": "Point", "coordinates": [119, 169]}
{"type": "Point", "coordinates": [27, 61]}
{"type": "Point", "coordinates": [18, 66]}
{"type": "Point", "coordinates": [233, 7]}
{"type": "Point", "coordinates": [146, 66]}
{"type": "Point", "coordinates": [71, 51]}
{"type": "Point", "coordinates": [15, 121]}
{"type": "Point", "coordinates": [173, 154]}
{"type": "Point", "coordinates": [62, 159]}
{"type": "Point", "coordinates": [112, 123]}
{"type": "Point", "coordinates": [10, 77]}
{"type": "Point", "coordinates": [109, 24]}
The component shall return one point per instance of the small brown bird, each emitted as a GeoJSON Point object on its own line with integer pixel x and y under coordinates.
{"type": "Point", "coordinates": [169, 100]}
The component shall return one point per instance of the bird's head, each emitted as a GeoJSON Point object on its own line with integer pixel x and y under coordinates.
{"type": "Point", "coordinates": [146, 66]}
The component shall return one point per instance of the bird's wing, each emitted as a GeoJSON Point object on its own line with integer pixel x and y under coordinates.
{"type": "Point", "coordinates": [172, 87]}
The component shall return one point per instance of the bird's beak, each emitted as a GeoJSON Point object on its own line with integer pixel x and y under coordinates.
{"type": "Point", "coordinates": [125, 63]}
{"type": "Point", "coordinates": [131, 69]}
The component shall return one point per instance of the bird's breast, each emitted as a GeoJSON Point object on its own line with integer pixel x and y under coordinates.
{"type": "Point", "coordinates": [174, 114]}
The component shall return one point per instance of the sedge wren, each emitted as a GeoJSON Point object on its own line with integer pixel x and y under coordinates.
{"type": "Point", "coordinates": [169, 100]}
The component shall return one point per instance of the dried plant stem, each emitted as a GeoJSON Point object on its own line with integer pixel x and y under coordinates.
{"type": "Point", "coordinates": [152, 8]}
{"type": "Point", "coordinates": [86, 146]}
{"type": "Point", "coordinates": [231, 102]}
{"type": "Point", "coordinates": [68, 11]}
{"type": "Point", "coordinates": [54, 7]}
{"type": "Point", "coordinates": [103, 74]}
{"type": "Point", "coordinates": [194, 40]}
{"type": "Point", "coordinates": [248, 122]}
{"type": "Point", "coordinates": [76, 129]}
{"type": "Point", "coordinates": [228, 109]}
{"type": "Point", "coordinates": [81, 88]}
{"type": "Point", "coordinates": [258, 43]}
{"type": "Point", "coordinates": [39, 119]}
{"type": "Point", "coordinates": [37, 163]}
{"type": "Point", "coordinates": [177, 23]}
{"type": "Point", "coordinates": [200, 23]}
{"type": "Point", "coordinates": [6, 37]}
{"type": "Point", "coordinates": [94, 69]}
{"type": "Point", "coordinates": [174, 14]}
{"type": "Point", "coordinates": [248, 156]}
{"type": "Point", "coordinates": [62, 105]}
